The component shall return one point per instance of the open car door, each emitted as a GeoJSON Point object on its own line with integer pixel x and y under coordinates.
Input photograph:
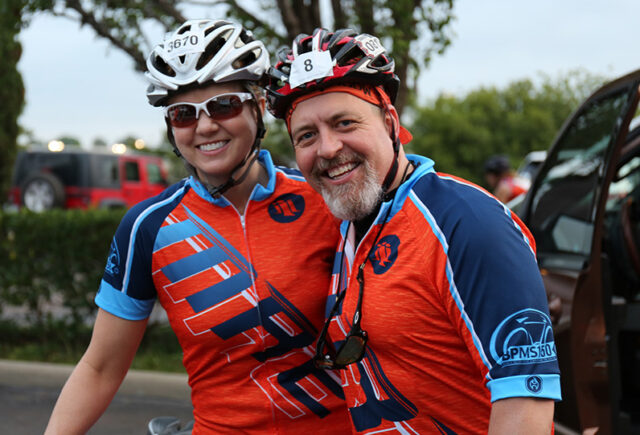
{"type": "Point", "coordinates": [565, 210]}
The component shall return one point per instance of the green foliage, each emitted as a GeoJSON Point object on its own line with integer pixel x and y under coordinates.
{"type": "Point", "coordinates": [12, 89]}
{"type": "Point", "coordinates": [459, 134]}
{"type": "Point", "coordinates": [57, 255]}
{"type": "Point", "coordinates": [55, 342]}
{"type": "Point", "coordinates": [278, 142]}
{"type": "Point", "coordinates": [412, 31]}
{"type": "Point", "coordinates": [57, 258]}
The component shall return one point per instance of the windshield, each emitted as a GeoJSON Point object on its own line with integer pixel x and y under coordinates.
{"type": "Point", "coordinates": [562, 209]}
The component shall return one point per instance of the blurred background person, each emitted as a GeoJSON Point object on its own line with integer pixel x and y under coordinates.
{"type": "Point", "coordinates": [503, 181]}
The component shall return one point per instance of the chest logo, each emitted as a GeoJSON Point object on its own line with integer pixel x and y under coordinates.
{"type": "Point", "coordinates": [384, 254]}
{"type": "Point", "coordinates": [286, 208]}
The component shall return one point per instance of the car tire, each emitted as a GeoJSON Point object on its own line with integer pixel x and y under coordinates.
{"type": "Point", "coordinates": [42, 192]}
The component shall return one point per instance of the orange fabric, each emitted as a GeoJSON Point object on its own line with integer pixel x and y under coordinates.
{"type": "Point", "coordinates": [233, 388]}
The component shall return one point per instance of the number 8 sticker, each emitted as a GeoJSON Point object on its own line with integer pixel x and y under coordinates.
{"type": "Point", "coordinates": [310, 66]}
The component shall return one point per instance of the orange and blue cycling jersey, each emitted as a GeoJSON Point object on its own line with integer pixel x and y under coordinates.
{"type": "Point", "coordinates": [245, 295]}
{"type": "Point", "coordinates": [454, 308]}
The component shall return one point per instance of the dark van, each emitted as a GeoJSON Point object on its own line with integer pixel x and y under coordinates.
{"type": "Point", "coordinates": [583, 209]}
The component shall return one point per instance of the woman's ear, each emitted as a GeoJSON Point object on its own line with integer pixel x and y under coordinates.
{"type": "Point", "coordinates": [261, 103]}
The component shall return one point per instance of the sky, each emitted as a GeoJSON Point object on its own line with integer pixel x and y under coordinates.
{"type": "Point", "coordinates": [78, 85]}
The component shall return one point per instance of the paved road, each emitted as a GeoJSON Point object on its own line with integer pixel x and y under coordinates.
{"type": "Point", "coordinates": [28, 392]}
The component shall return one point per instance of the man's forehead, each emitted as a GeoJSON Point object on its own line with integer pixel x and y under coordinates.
{"type": "Point", "coordinates": [331, 105]}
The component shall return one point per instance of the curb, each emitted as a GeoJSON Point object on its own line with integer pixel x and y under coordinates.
{"type": "Point", "coordinates": [137, 382]}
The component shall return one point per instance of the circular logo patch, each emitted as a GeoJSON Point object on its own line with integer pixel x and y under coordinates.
{"type": "Point", "coordinates": [384, 254]}
{"type": "Point", "coordinates": [286, 208]}
{"type": "Point", "coordinates": [534, 384]}
{"type": "Point", "coordinates": [525, 337]}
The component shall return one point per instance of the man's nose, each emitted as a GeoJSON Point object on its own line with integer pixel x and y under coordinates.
{"type": "Point", "coordinates": [330, 144]}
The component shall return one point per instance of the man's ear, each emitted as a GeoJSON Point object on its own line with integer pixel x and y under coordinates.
{"type": "Point", "coordinates": [391, 120]}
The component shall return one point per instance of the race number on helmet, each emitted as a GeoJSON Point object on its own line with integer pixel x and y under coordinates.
{"type": "Point", "coordinates": [204, 50]}
{"type": "Point", "coordinates": [328, 58]}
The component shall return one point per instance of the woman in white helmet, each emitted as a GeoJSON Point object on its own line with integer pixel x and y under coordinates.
{"type": "Point", "coordinates": [220, 251]}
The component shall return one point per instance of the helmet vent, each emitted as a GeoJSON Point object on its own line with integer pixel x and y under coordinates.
{"type": "Point", "coordinates": [211, 50]}
{"type": "Point", "coordinates": [246, 59]}
{"type": "Point", "coordinates": [163, 67]}
{"type": "Point", "coordinates": [214, 27]}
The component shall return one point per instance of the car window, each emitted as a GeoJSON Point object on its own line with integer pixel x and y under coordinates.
{"type": "Point", "coordinates": [155, 174]}
{"type": "Point", "coordinates": [562, 208]}
{"type": "Point", "coordinates": [131, 171]}
{"type": "Point", "coordinates": [104, 172]}
{"type": "Point", "coordinates": [64, 166]}
{"type": "Point", "coordinates": [627, 180]}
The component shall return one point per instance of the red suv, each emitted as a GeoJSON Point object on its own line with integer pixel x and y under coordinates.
{"type": "Point", "coordinates": [43, 180]}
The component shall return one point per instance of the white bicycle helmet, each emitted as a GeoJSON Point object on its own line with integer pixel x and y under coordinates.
{"type": "Point", "coordinates": [200, 51]}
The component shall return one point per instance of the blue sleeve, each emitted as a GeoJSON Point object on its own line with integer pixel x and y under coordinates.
{"type": "Point", "coordinates": [498, 288]}
{"type": "Point", "coordinates": [127, 289]}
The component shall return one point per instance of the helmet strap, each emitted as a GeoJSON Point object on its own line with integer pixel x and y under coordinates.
{"type": "Point", "coordinates": [393, 170]}
{"type": "Point", "coordinates": [172, 140]}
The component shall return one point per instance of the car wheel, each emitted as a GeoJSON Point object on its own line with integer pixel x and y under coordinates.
{"type": "Point", "coordinates": [42, 192]}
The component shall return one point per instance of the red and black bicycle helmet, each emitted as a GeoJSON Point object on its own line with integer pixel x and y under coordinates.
{"type": "Point", "coordinates": [355, 58]}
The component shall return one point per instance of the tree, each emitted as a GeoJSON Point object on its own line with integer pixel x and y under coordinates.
{"type": "Point", "coordinates": [459, 134]}
{"type": "Point", "coordinates": [70, 141]}
{"type": "Point", "coordinates": [99, 142]}
{"type": "Point", "coordinates": [12, 89]}
{"type": "Point", "coordinates": [399, 23]}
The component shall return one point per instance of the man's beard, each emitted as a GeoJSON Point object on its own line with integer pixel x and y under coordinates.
{"type": "Point", "coordinates": [351, 201]}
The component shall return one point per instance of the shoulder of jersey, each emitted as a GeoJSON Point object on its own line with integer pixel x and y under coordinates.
{"type": "Point", "coordinates": [168, 195]}
{"type": "Point", "coordinates": [290, 173]}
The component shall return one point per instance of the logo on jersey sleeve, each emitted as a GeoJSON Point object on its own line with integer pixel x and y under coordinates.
{"type": "Point", "coordinates": [286, 208]}
{"type": "Point", "coordinates": [525, 337]}
{"type": "Point", "coordinates": [384, 254]}
{"type": "Point", "coordinates": [113, 260]}
{"type": "Point", "coordinates": [533, 384]}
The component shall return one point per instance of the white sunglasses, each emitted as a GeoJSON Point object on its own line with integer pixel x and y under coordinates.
{"type": "Point", "coordinates": [218, 108]}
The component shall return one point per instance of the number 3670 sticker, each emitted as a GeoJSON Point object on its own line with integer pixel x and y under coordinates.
{"type": "Point", "coordinates": [185, 43]}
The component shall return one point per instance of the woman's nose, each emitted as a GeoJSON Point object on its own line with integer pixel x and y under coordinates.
{"type": "Point", "coordinates": [205, 124]}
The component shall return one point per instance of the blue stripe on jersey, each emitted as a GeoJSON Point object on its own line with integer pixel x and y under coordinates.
{"type": "Point", "coordinates": [234, 255]}
{"type": "Point", "coordinates": [293, 174]}
{"type": "Point", "coordinates": [493, 272]}
{"type": "Point", "coordinates": [219, 292]}
{"type": "Point", "coordinates": [452, 285]}
{"type": "Point", "coordinates": [547, 386]}
{"type": "Point", "coordinates": [146, 212]}
{"type": "Point", "coordinates": [117, 303]}
{"type": "Point", "coordinates": [193, 264]}
{"type": "Point", "coordinates": [176, 232]}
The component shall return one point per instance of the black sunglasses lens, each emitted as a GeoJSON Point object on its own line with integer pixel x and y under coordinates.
{"type": "Point", "coordinates": [182, 115]}
{"type": "Point", "coordinates": [224, 107]}
{"type": "Point", "coordinates": [352, 351]}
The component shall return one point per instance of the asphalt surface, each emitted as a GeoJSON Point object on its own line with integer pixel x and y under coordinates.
{"type": "Point", "coordinates": [28, 392]}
